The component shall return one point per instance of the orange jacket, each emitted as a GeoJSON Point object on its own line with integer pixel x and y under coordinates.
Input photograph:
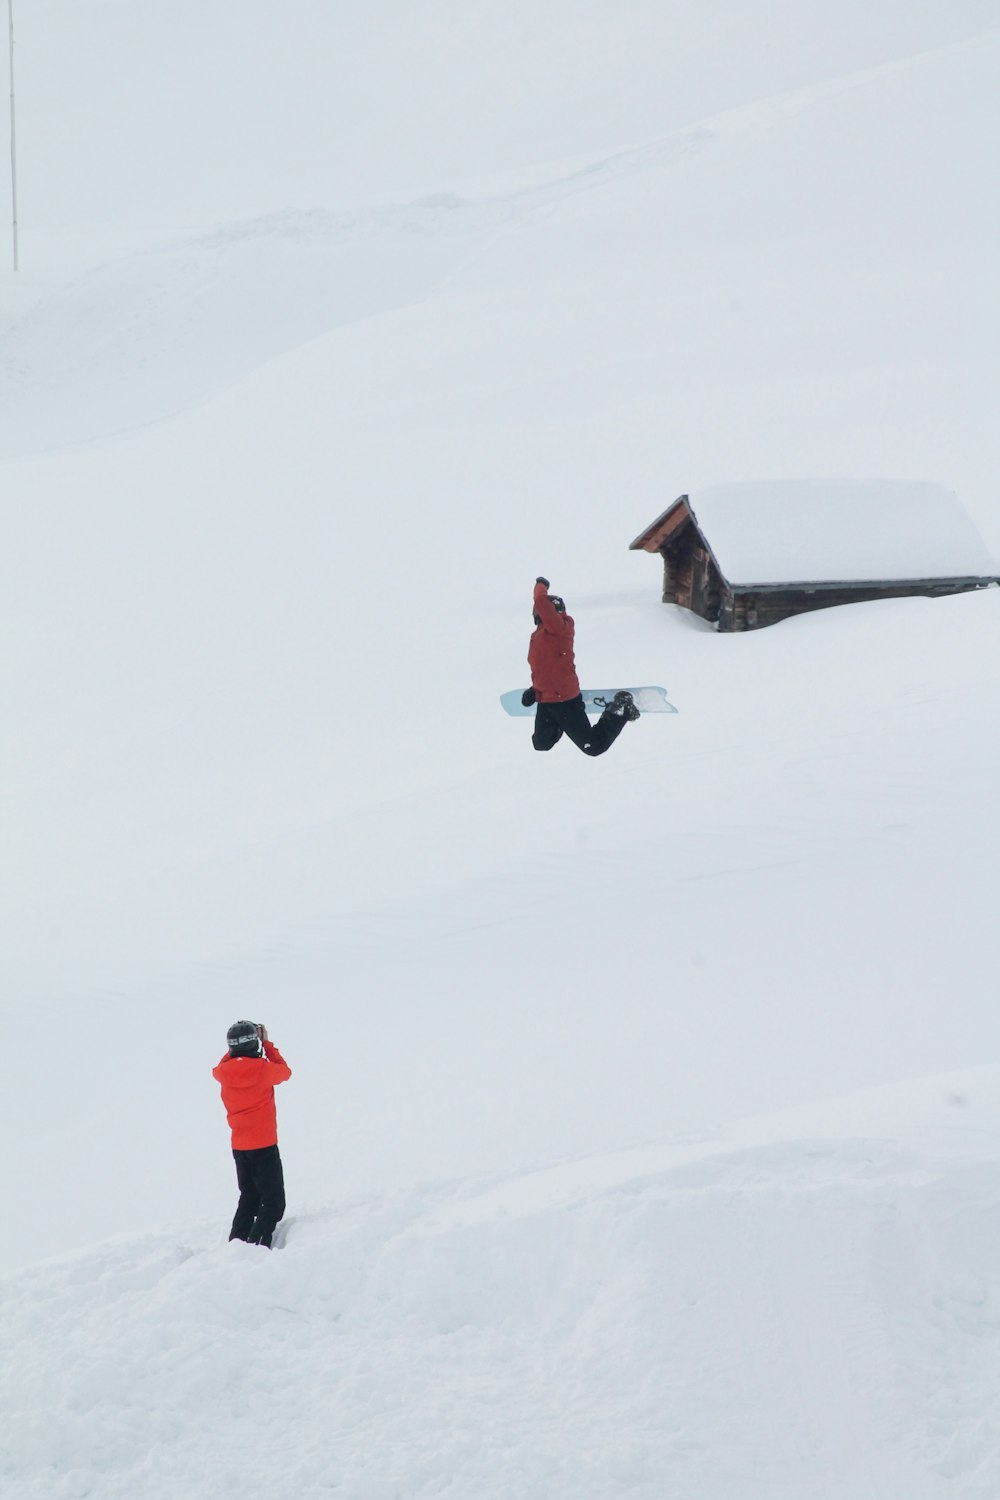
{"type": "Point", "coordinates": [550, 653]}
{"type": "Point", "coordinates": [248, 1094]}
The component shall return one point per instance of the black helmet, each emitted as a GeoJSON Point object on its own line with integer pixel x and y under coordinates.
{"type": "Point", "coordinates": [243, 1039]}
{"type": "Point", "coordinates": [558, 604]}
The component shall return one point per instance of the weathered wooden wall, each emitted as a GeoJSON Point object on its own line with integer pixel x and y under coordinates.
{"type": "Point", "coordinates": [690, 577]}
{"type": "Point", "coordinates": [746, 610]}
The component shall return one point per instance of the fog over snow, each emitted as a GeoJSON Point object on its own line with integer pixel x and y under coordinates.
{"type": "Point", "coordinates": [642, 1132]}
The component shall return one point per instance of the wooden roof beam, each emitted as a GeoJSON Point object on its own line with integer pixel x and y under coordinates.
{"type": "Point", "coordinates": [663, 528]}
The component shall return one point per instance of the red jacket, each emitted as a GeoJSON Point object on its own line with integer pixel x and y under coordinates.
{"type": "Point", "coordinates": [248, 1094]}
{"type": "Point", "coordinates": [550, 652]}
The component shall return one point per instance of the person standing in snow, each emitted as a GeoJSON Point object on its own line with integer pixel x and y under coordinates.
{"type": "Point", "coordinates": [555, 687]}
{"type": "Point", "coordinates": [247, 1076]}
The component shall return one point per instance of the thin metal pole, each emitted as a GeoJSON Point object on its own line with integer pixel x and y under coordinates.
{"type": "Point", "coordinates": [13, 145]}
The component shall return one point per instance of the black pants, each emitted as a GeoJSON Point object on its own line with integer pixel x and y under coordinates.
{"type": "Point", "coordinates": [262, 1195]}
{"type": "Point", "coordinates": [553, 720]}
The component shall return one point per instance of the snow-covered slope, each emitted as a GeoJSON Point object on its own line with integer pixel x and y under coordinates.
{"type": "Point", "coordinates": [346, 341]}
{"type": "Point", "coordinates": [806, 1306]}
{"type": "Point", "coordinates": [138, 121]}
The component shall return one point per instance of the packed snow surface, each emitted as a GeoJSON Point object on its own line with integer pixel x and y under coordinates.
{"type": "Point", "coordinates": [805, 1305]}
{"type": "Point", "coordinates": [335, 326]}
{"type": "Point", "coordinates": [846, 531]}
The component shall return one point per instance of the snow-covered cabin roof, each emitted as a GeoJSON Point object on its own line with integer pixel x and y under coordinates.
{"type": "Point", "coordinates": [812, 531]}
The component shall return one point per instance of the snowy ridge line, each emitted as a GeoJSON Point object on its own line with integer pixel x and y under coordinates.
{"type": "Point", "coordinates": [672, 1170]}
{"type": "Point", "coordinates": [450, 212]}
{"type": "Point", "coordinates": [716, 129]}
{"type": "Point", "coordinates": [863, 1128]}
{"type": "Point", "coordinates": [199, 297]}
{"type": "Point", "coordinates": [793, 101]}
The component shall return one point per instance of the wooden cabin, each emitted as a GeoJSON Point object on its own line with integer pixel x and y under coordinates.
{"type": "Point", "coordinates": [748, 555]}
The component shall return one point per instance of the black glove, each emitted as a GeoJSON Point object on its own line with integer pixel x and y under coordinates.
{"type": "Point", "coordinates": [544, 581]}
{"type": "Point", "coordinates": [528, 697]}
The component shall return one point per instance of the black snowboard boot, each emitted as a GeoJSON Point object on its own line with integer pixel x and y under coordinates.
{"type": "Point", "coordinates": [623, 704]}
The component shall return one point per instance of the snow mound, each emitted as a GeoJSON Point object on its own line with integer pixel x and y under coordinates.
{"type": "Point", "coordinates": [789, 1311]}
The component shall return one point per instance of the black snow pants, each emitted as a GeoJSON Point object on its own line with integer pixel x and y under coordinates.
{"type": "Point", "coordinates": [262, 1195]}
{"type": "Point", "coordinates": [553, 720]}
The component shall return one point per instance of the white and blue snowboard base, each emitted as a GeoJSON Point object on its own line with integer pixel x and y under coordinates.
{"type": "Point", "coordinates": [648, 700]}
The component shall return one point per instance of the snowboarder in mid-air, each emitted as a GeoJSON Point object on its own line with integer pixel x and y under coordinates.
{"type": "Point", "coordinates": [555, 687]}
{"type": "Point", "coordinates": [247, 1076]}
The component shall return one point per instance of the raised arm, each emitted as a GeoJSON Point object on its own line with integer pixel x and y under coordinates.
{"type": "Point", "coordinates": [546, 611]}
{"type": "Point", "coordinates": [278, 1071]}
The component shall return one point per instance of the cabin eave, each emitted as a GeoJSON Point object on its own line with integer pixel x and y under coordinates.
{"type": "Point", "coordinates": [818, 586]}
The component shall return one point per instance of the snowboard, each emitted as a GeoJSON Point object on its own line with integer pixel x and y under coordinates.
{"type": "Point", "coordinates": [648, 700]}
